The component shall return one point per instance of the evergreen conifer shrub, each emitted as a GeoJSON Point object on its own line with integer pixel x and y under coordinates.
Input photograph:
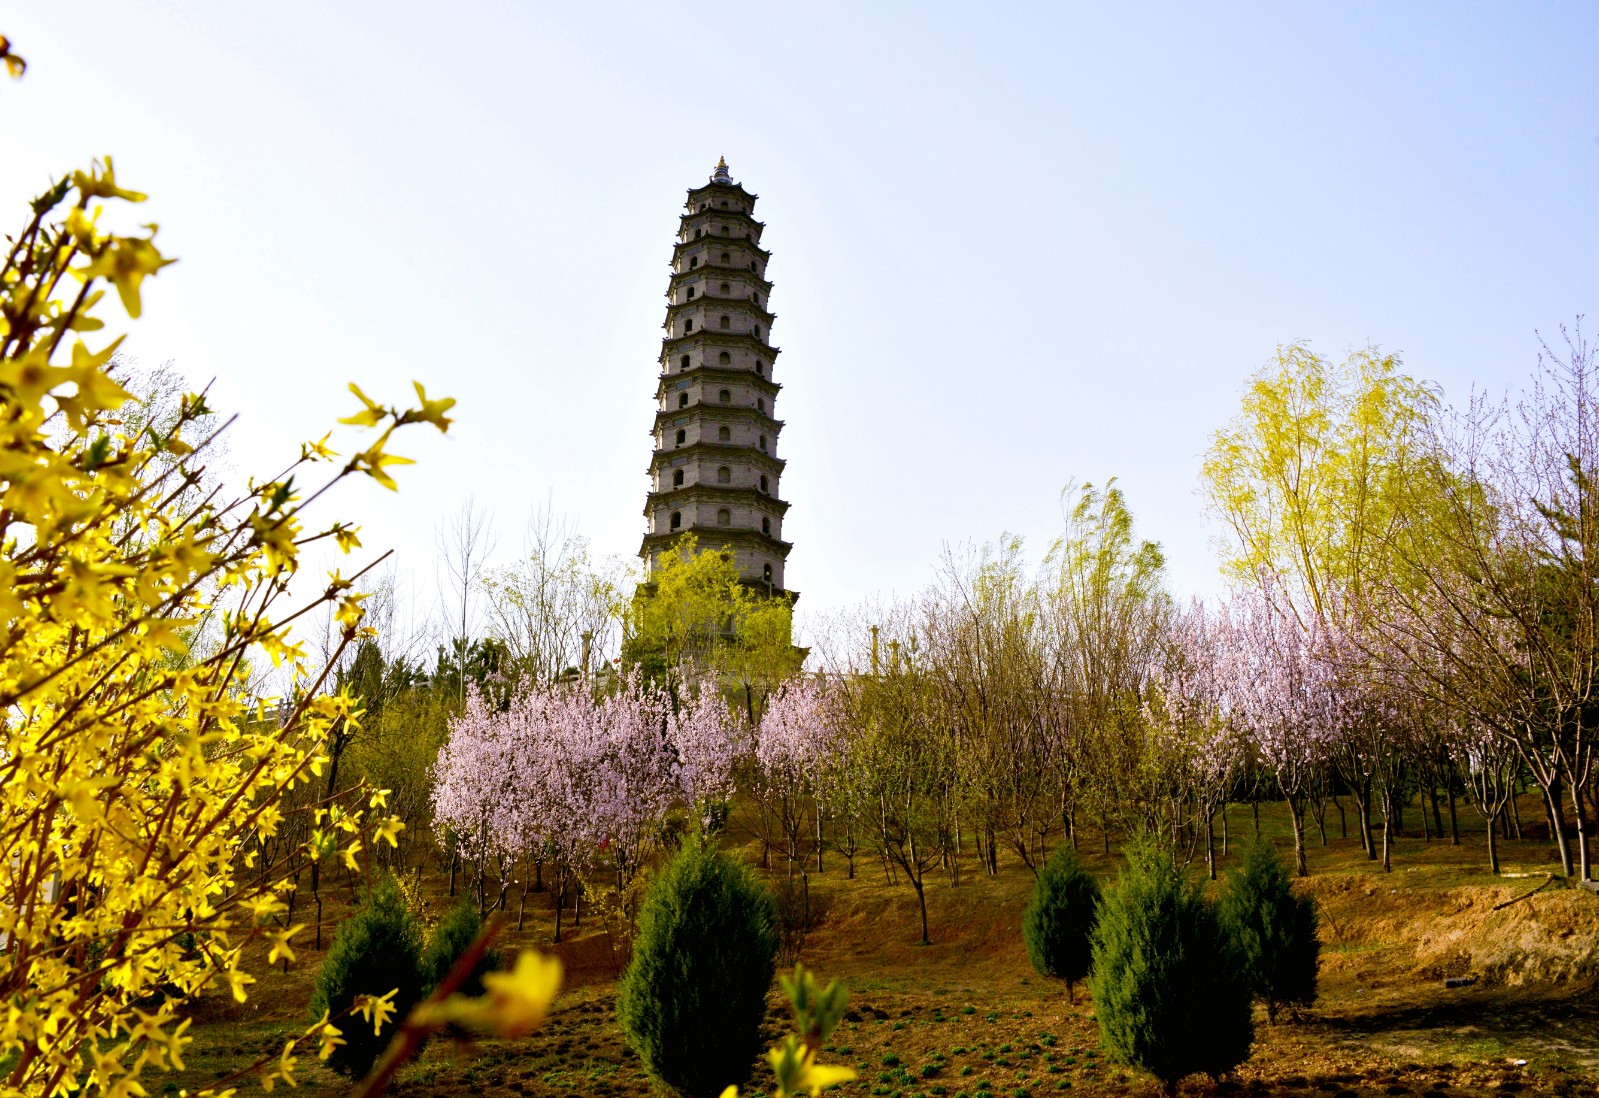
{"type": "Point", "coordinates": [1169, 993]}
{"type": "Point", "coordinates": [1273, 931]}
{"type": "Point", "coordinates": [377, 950]}
{"type": "Point", "coordinates": [448, 941]}
{"type": "Point", "coordinates": [1058, 925]}
{"type": "Point", "coordinates": [694, 994]}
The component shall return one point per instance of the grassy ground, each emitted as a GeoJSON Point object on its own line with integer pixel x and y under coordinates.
{"type": "Point", "coordinates": [966, 1015]}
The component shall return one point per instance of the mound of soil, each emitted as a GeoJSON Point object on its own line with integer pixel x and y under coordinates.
{"type": "Point", "coordinates": [1549, 938]}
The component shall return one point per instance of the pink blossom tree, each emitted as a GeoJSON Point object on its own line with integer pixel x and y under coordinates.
{"type": "Point", "coordinates": [1200, 749]}
{"type": "Point", "coordinates": [795, 748]}
{"type": "Point", "coordinates": [1275, 689]}
{"type": "Point", "coordinates": [573, 778]}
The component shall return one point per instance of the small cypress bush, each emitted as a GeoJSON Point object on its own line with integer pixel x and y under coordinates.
{"type": "Point", "coordinates": [376, 950]}
{"type": "Point", "coordinates": [448, 941]}
{"type": "Point", "coordinates": [1273, 931]}
{"type": "Point", "coordinates": [1058, 925]}
{"type": "Point", "coordinates": [1168, 991]}
{"type": "Point", "coordinates": [694, 994]}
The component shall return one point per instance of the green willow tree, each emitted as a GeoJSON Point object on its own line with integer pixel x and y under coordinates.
{"type": "Point", "coordinates": [1107, 611]}
{"type": "Point", "coordinates": [1314, 477]}
{"type": "Point", "coordinates": [695, 613]}
{"type": "Point", "coordinates": [1324, 480]}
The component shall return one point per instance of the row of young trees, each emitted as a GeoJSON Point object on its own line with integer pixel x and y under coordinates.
{"type": "Point", "coordinates": [563, 778]}
{"type": "Point", "coordinates": [1411, 615]}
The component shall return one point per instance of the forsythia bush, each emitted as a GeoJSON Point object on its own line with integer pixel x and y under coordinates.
{"type": "Point", "coordinates": [138, 776]}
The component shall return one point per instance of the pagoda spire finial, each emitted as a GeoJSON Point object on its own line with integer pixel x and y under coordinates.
{"type": "Point", "coordinates": [721, 175]}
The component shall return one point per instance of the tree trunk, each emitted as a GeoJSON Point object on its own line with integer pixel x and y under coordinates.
{"type": "Point", "coordinates": [1343, 820]}
{"type": "Point", "coordinates": [921, 900]}
{"type": "Point", "coordinates": [316, 895]}
{"type": "Point", "coordinates": [1387, 800]}
{"type": "Point", "coordinates": [1210, 844]}
{"type": "Point", "coordinates": [1557, 825]}
{"type": "Point", "coordinates": [288, 919]}
{"type": "Point", "coordinates": [1363, 805]}
{"type": "Point", "coordinates": [1493, 844]}
{"type": "Point", "coordinates": [1224, 829]}
{"type": "Point", "coordinates": [1454, 822]}
{"type": "Point", "coordinates": [1296, 813]}
{"type": "Point", "coordinates": [1581, 812]}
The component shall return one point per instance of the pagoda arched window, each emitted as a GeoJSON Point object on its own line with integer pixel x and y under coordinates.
{"type": "Point", "coordinates": [766, 573]}
{"type": "Point", "coordinates": [694, 261]}
{"type": "Point", "coordinates": [757, 331]}
{"type": "Point", "coordinates": [724, 435]}
{"type": "Point", "coordinates": [677, 519]}
{"type": "Point", "coordinates": [724, 475]}
{"type": "Point", "coordinates": [724, 288]}
{"type": "Point", "coordinates": [760, 404]}
{"type": "Point", "coordinates": [682, 436]}
{"type": "Point", "coordinates": [724, 517]}
{"type": "Point", "coordinates": [726, 258]}
{"type": "Point", "coordinates": [725, 396]}
{"type": "Point", "coordinates": [698, 233]}
{"type": "Point", "coordinates": [763, 481]}
{"type": "Point", "coordinates": [682, 400]}
{"type": "Point", "coordinates": [727, 322]}
{"type": "Point", "coordinates": [677, 478]}
{"type": "Point", "coordinates": [766, 527]}
{"type": "Point", "coordinates": [724, 359]}
{"type": "Point", "coordinates": [683, 362]}
{"type": "Point", "coordinates": [688, 326]}
{"type": "Point", "coordinates": [760, 367]}
{"type": "Point", "coordinates": [691, 293]}
{"type": "Point", "coordinates": [752, 264]}
{"type": "Point", "coordinates": [762, 441]}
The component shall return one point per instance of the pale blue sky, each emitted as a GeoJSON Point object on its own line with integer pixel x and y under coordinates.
{"type": "Point", "coordinates": [1013, 244]}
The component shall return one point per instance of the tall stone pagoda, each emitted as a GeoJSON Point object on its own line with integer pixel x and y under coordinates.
{"type": "Point", "coordinates": [716, 470]}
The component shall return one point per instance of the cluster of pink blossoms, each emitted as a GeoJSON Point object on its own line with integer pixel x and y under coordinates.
{"type": "Point", "coordinates": [564, 772]}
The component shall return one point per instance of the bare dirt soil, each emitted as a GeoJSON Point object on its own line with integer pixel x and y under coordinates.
{"type": "Point", "coordinates": [967, 1016]}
